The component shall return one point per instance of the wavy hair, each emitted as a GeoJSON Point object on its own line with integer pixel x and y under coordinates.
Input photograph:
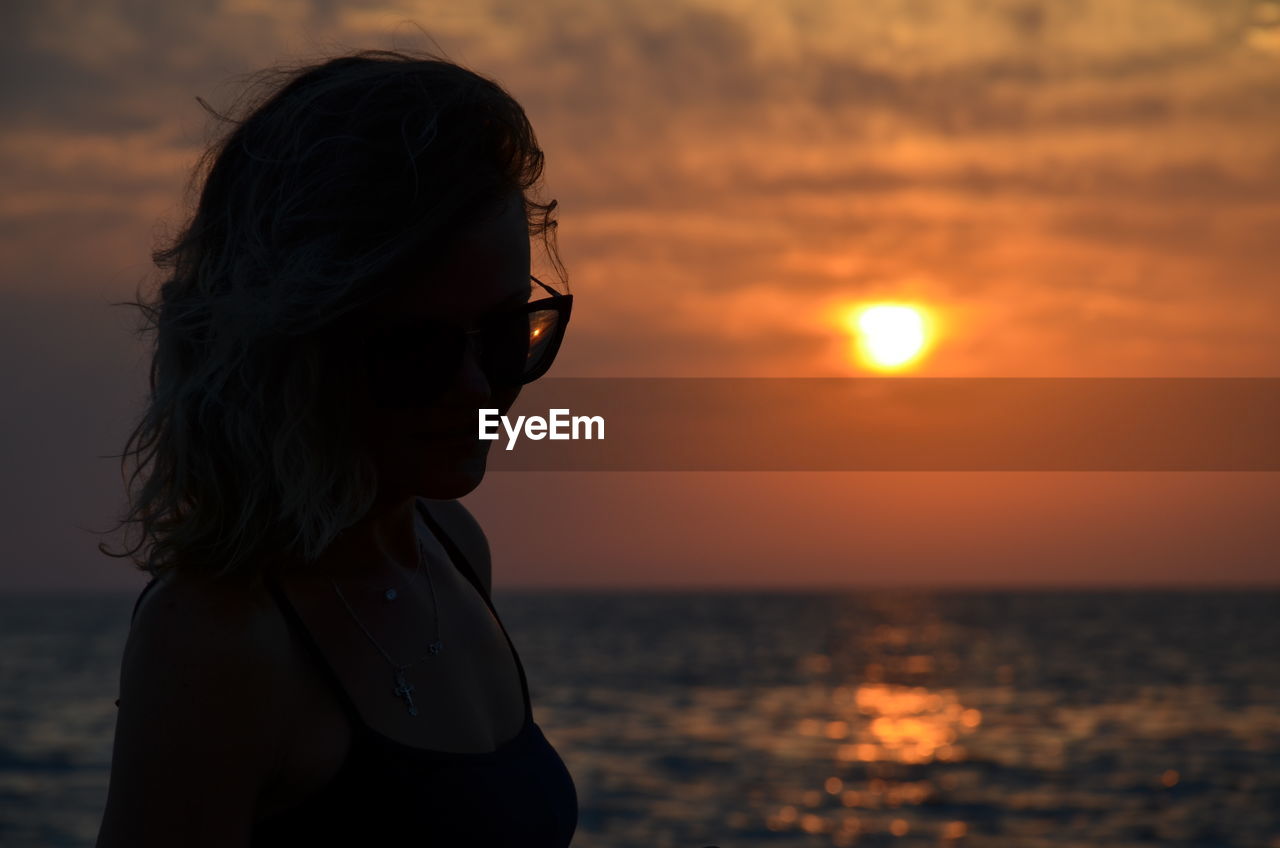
{"type": "Point", "coordinates": [336, 178]}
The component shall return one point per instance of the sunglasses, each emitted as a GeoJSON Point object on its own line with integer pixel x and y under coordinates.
{"type": "Point", "coordinates": [410, 366]}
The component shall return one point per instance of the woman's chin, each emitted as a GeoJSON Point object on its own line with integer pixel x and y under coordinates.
{"type": "Point", "coordinates": [450, 487]}
{"type": "Point", "coordinates": [451, 475]}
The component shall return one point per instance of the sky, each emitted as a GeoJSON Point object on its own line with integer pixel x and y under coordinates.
{"type": "Point", "coordinates": [1071, 189]}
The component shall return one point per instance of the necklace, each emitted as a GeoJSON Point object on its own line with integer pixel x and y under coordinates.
{"type": "Point", "coordinates": [401, 687]}
{"type": "Point", "coordinates": [392, 592]}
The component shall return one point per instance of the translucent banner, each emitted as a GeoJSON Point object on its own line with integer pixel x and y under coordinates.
{"type": "Point", "coordinates": [890, 424]}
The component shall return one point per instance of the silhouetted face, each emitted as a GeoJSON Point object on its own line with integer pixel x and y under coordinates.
{"type": "Point", "coordinates": [435, 451]}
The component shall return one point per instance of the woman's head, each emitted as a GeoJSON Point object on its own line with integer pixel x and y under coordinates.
{"type": "Point", "coordinates": [351, 197]}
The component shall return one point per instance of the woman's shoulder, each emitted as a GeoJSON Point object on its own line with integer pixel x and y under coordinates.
{"type": "Point", "coordinates": [204, 710]}
{"type": "Point", "coordinates": [211, 619]}
{"type": "Point", "coordinates": [210, 654]}
{"type": "Point", "coordinates": [180, 592]}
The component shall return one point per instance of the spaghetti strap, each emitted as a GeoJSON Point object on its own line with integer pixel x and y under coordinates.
{"type": "Point", "coordinates": [137, 603]}
{"type": "Point", "coordinates": [455, 554]}
{"type": "Point", "coordinates": [461, 563]}
{"type": "Point", "coordinates": [299, 627]}
{"type": "Point", "coordinates": [145, 589]}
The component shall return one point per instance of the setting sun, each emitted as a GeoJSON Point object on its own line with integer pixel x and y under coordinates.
{"type": "Point", "coordinates": [888, 335]}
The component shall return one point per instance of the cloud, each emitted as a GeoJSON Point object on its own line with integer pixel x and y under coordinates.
{"type": "Point", "coordinates": [826, 149]}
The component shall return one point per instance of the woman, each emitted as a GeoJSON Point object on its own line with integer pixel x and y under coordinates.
{"type": "Point", "coordinates": [316, 660]}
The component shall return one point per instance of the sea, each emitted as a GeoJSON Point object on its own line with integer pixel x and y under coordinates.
{"type": "Point", "coordinates": [789, 719]}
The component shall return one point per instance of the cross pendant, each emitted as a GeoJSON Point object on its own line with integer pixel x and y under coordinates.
{"type": "Point", "coordinates": [404, 689]}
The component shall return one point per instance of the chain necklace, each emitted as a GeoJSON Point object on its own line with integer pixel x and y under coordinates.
{"type": "Point", "coordinates": [392, 593]}
{"type": "Point", "coordinates": [401, 687]}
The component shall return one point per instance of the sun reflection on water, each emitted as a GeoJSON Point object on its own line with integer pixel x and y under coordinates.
{"type": "Point", "coordinates": [900, 724]}
{"type": "Point", "coordinates": [866, 727]}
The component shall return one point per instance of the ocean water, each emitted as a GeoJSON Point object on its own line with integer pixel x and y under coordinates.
{"type": "Point", "coordinates": [798, 719]}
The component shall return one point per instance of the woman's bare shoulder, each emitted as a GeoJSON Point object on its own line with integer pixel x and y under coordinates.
{"type": "Point", "coordinates": [204, 706]}
{"type": "Point", "coordinates": [205, 631]}
{"type": "Point", "coordinates": [188, 604]}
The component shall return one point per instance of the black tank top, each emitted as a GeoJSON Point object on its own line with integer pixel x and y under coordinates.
{"type": "Point", "coordinates": [390, 795]}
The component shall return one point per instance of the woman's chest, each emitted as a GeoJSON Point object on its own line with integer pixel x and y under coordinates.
{"type": "Point", "coordinates": [466, 698]}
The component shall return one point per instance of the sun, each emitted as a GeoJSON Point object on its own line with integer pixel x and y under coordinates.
{"type": "Point", "coordinates": [889, 336]}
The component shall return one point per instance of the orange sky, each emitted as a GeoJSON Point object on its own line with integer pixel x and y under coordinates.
{"type": "Point", "coordinates": [1074, 188]}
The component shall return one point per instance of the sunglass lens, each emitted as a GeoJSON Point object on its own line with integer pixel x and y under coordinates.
{"type": "Point", "coordinates": [519, 344]}
{"type": "Point", "coordinates": [543, 324]}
